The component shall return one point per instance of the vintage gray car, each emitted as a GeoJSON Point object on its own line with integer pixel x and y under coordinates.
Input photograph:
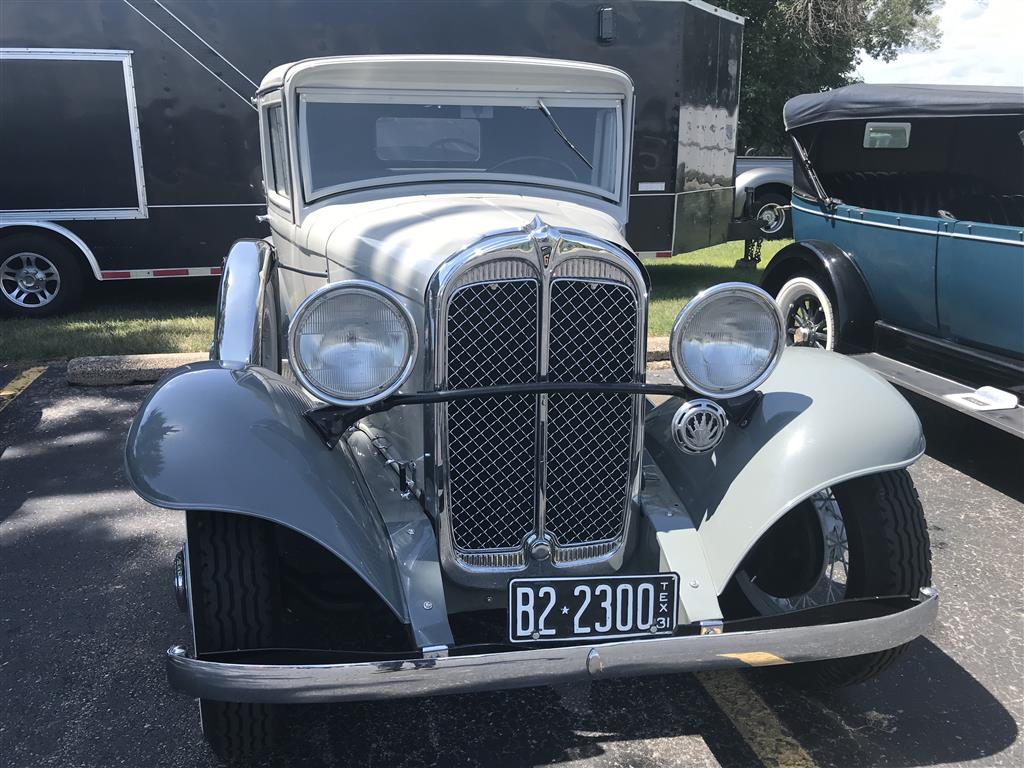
{"type": "Point", "coordinates": [423, 457]}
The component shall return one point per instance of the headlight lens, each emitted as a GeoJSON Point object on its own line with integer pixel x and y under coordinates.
{"type": "Point", "coordinates": [352, 343]}
{"type": "Point", "coordinates": [727, 340]}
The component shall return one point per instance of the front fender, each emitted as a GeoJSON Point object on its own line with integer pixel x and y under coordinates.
{"type": "Point", "coordinates": [226, 437]}
{"type": "Point", "coordinates": [854, 306]}
{"type": "Point", "coordinates": [824, 419]}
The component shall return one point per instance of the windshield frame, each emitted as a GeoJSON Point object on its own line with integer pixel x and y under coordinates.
{"type": "Point", "coordinates": [458, 98]}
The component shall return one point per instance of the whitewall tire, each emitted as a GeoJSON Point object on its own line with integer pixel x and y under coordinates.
{"type": "Point", "coordinates": [809, 314]}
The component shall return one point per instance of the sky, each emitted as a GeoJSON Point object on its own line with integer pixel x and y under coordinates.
{"type": "Point", "coordinates": [982, 44]}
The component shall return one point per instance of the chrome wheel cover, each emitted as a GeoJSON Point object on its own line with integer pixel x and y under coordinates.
{"type": "Point", "coordinates": [29, 280]}
{"type": "Point", "coordinates": [833, 575]}
{"type": "Point", "coordinates": [772, 218]}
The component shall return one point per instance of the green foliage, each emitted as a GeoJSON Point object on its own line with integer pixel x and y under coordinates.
{"type": "Point", "coordinates": [804, 46]}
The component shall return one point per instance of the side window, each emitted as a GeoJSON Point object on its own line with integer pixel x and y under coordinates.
{"type": "Point", "coordinates": [278, 151]}
{"type": "Point", "coordinates": [887, 136]}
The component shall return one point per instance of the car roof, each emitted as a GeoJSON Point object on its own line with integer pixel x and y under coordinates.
{"type": "Point", "coordinates": [865, 101]}
{"type": "Point", "coordinates": [444, 72]}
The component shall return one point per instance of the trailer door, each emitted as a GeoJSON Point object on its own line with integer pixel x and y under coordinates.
{"type": "Point", "coordinates": [69, 135]}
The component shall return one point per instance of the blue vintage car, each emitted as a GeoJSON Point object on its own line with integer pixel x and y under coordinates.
{"type": "Point", "coordinates": [908, 214]}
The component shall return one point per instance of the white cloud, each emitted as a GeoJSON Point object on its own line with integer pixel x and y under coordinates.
{"type": "Point", "coordinates": [981, 45]}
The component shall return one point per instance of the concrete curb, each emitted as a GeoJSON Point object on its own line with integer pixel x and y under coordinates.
{"type": "Point", "coordinates": [657, 348]}
{"type": "Point", "coordinates": [127, 369]}
{"type": "Point", "coordinates": [146, 369]}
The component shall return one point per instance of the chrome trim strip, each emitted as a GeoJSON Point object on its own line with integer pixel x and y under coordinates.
{"type": "Point", "coordinates": [918, 230]}
{"type": "Point", "coordinates": [309, 683]}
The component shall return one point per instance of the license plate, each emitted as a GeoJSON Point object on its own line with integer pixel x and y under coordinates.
{"type": "Point", "coordinates": [591, 608]}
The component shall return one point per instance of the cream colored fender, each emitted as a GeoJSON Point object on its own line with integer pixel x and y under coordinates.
{"type": "Point", "coordinates": [824, 419]}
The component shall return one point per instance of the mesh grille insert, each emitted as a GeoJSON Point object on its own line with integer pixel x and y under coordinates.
{"type": "Point", "coordinates": [492, 335]}
{"type": "Point", "coordinates": [593, 338]}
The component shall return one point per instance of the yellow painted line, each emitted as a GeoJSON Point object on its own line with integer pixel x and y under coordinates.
{"type": "Point", "coordinates": [759, 726]}
{"type": "Point", "coordinates": [756, 658]}
{"type": "Point", "coordinates": [19, 384]}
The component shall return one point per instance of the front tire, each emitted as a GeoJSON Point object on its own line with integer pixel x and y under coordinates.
{"type": "Point", "coordinates": [808, 310]}
{"type": "Point", "coordinates": [872, 541]}
{"type": "Point", "coordinates": [234, 603]}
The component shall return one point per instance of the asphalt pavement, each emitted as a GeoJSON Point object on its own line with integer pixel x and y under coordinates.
{"type": "Point", "coordinates": [87, 612]}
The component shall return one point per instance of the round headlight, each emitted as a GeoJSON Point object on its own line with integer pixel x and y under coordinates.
{"type": "Point", "coordinates": [352, 343]}
{"type": "Point", "coordinates": [727, 340]}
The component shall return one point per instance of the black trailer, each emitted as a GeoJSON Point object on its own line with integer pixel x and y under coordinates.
{"type": "Point", "coordinates": [129, 147]}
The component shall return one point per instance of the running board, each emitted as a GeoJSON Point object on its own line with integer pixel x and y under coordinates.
{"type": "Point", "coordinates": [936, 388]}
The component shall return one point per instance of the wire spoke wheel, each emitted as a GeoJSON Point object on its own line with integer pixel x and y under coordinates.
{"type": "Point", "coordinates": [806, 325]}
{"type": "Point", "coordinates": [813, 568]}
{"type": "Point", "coordinates": [807, 308]}
{"type": "Point", "coordinates": [29, 279]}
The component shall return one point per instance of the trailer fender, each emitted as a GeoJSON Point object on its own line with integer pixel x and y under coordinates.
{"type": "Point", "coordinates": [823, 419]}
{"type": "Point", "coordinates": [854, 306]}
{"type": "Point", "coordinates": [226, 437]}
{"type": "Point", "coordinates": [63, 232]}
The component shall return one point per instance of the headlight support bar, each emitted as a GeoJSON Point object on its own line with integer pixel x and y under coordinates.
{"type": "Point", "coordinates": [332, 421]}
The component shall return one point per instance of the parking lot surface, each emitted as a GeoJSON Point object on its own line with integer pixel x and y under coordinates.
{"type": "Point", "coordinates": [87, 612]}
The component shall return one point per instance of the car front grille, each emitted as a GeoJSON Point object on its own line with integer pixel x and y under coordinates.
{"type": "Point", "coordinates": [558, 465]}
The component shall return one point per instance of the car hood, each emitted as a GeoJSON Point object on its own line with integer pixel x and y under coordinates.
{"type": "Point", "coordinates": [400, 242]}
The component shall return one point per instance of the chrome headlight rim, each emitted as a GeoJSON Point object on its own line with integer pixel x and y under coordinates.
{"type": "Point", "coordinates": [331, 288]}
{"type": "Point", "coordinates": [747, 289]}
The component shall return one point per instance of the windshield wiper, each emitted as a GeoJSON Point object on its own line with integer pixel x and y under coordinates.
{"type": "Point", "coordinates": [561, 133]}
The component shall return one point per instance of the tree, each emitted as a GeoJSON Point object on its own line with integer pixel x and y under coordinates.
{"type": "Point", "coordinates": [803, 46]}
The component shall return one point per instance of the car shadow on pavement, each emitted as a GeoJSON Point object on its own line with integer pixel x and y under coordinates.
{"type": "Point", "coordinates": [654, 722]}
{"type": "Point", "coordinates": [926, 710]}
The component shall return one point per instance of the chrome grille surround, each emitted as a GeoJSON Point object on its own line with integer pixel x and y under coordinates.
{"type": "Point", "coordinates": [592, 341]}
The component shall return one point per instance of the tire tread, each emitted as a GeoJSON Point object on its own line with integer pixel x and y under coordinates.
{"type": "Point", "coordinates": [234, 608]}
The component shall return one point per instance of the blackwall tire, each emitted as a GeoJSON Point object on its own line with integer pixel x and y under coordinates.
{"type": "Point", "coordinates": [40, 275]}
{"type": "Point", "coordinates": [889, 554]}
{"type": "Point", "coordinates": [801, 299]}
{"type": "Point", "coordinates": [234, 602]}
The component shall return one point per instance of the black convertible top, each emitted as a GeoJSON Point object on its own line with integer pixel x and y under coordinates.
{"type": "Point", "coordinates": [864, 101]}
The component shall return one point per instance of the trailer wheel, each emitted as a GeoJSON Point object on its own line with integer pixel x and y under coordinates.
{"type": "Point", "coordinates": [40, 275]}
{"type": "Point", "coordinates": [234, 600]}
{"type": "Point", "coordinates": [864, 538]}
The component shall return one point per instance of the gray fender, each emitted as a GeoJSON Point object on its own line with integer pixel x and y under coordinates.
{"type": "Point", "coordinates": [824, 419]}
{"type": "Point", "coordinates": [757, 177]}
{"type": "Point", "coordinates": [226, 437]}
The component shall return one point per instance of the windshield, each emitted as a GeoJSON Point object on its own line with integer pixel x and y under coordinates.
{"type": "Point", "coordinates": [363, 141]}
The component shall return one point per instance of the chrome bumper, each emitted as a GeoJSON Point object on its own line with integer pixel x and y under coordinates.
{"type": "Point", "coordinates": [298, 683]}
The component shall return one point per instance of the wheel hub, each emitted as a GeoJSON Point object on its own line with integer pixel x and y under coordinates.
{"type": "Point", "coordinates": [29, 279]}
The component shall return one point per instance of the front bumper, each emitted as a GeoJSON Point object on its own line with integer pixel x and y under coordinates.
{"type": "Point", "coordinates": [899, 621]}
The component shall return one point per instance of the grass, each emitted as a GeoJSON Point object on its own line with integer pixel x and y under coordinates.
{"type": "Point", "coordinates": [677, 280]}
{"type": "Point", "coordinates": [141, 316]}
{"type": "Point", "coordinates": [130, 317]}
